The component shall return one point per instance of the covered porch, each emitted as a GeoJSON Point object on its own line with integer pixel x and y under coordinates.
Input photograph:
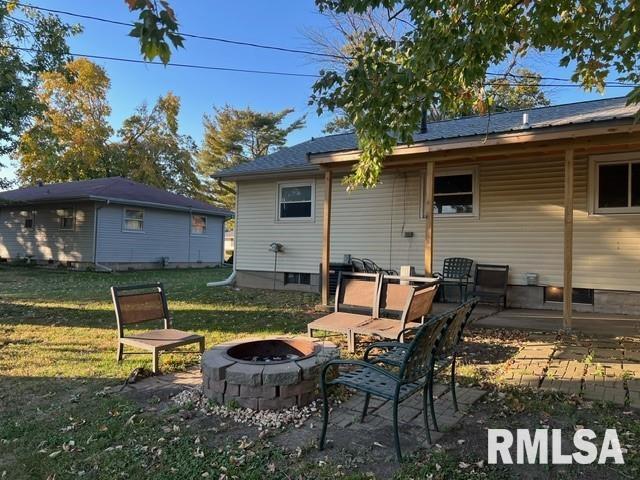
{"type": "Point", "coordinates": [557, 146]}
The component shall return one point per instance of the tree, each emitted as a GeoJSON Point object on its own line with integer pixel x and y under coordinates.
{"type": "Point", "coordinates": [151, 150]}
{"type": "Point", "coordinates": [447, 51]}
{"type": "Point", "coordinates": [516, 92]}
{"type": "Point", "coordinates": [30, 43]}
{"type": "Point", "coordinates": [69, 140]}
{"type": "Point", "coordinates": [233, 137]}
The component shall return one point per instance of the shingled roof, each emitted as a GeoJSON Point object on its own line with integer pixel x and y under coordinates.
{"type": "Point", "coordinates": [115, 189]}
{"type": "Point", "coordinates": [296, 158]}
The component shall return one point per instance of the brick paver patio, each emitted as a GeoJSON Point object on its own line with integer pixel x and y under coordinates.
{"type": "Point", "coordinates": [594, 368]}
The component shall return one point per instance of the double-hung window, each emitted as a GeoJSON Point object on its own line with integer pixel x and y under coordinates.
{"type": "Point", "coordinates": [29, 219]}
{"type": "Point", "coordinates": [616, 184]}
{"type": "Point", "coordinates": [198, 224]}
{"type": "Point", "coordinates": [133, 220]}
{"type": "Point", "coordinates": [455, 193]}
{"type": "Point", "coordinates": [66, 218]}
{"type": "Point", "coordinates": [295, 201]}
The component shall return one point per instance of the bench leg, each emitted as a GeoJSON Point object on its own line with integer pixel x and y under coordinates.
{"type": "Point", "coordinates": [202, 346]}
{"type": "Point", "coordinates": [156, 355]}
{"type": "Point", "coordinates": [120, 352]}
{"type": "Point", "coordinates": [309, 331]}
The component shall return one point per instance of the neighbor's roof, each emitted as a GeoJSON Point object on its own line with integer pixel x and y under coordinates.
{"type": "Point", "coordinates": [296, 158]}
{"type": "Point", "coordinates": [114, 189]}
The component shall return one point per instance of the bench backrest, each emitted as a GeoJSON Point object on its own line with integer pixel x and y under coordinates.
{"type": "Point", "coordinates": [140, 303]}
{"type": "Point", "coordinates": [452, 335]}
{"type": "Point", "coordinates": [357, 291]}
{"type": "Point", "coordinates": [409, 298]}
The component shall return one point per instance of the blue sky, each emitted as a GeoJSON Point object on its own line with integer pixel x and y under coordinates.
{"type": "Point", "coordinates": [276, 22]}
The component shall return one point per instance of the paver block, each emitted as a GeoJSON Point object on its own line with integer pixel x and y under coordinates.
{"type": "Point", "coordinates": [244, 374]}
{"type": "Point", "coordinates": [282, 374]}
{"type": "Point", "coordinates": [261, 391]}
{"type": "Point", "coordinates": [214, 364]}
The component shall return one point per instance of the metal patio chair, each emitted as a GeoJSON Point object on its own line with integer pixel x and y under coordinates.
{"type": "Point", "coordinates": [491, 283]}
{"type": "Point", "coordinates": [358, 265]}
{"type": "Point", "coordinates": [412, 376]}
{"type": "Point", "coordinates": [146, 303]}
{"type": "Point", "coordinates": [446, 351]}
{"type": "Point", "coordinates": [356, 301]}
{"type": "Point", "coordinates": [372, 267]}
{"type": "Point", "coordinates": [456, 271]}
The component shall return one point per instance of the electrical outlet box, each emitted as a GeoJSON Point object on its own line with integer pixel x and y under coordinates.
{"type": "Point", "coordinates": [408, 234]}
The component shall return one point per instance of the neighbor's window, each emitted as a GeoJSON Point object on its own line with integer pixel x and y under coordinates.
{"type": "Point", "coordinates": [198, 224]}
{"type": "Point", "coordinates": [455, 193]}
{"type": "Point", "coordinates": [29, 219]}
{"type": "Point", "coordinates": [133, 219]}
{"type": "Point", "coordinates": [66, 219]}
{"type": "Point", "coordinates": [617, 186]}
{"type": "Point", "coordinates": [295, 201]}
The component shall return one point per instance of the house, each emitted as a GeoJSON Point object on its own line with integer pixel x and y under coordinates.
{"type": "Point", "coordinates": [109, 222]}
{"type": "Point", "coordinates": [554, 192]}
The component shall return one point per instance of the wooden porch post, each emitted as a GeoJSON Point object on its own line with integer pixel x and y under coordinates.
{"type": "Point", "coordinates": [428, 210]}
{"type": "Point", "coordinates": [326, 236]}
{"type": "Point", "coordinates": [568, 239]}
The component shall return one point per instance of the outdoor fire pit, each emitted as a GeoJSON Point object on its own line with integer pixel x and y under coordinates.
{"type": "Point", "coordinates": [265, 374]}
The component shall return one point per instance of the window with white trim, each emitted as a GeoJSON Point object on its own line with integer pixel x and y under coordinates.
{"type": "Point", "coordinates": [133, 220]}
{"type": "Point", "coordinates": [198, 224]}
{"type": "Point", "coordinates": [67, 219]}
{"type": "Point", "coordinates": [455, 193]}
{"type": "Point", "coordinates": [295, 201]}
{"type": "Point", "coordinates": [29, 219]}
{"type": "Point", "coordinates": [616, 184]}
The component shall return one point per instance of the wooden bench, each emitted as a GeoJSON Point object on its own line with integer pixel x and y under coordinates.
{"type": "Point", "coordinates": [145, 303]}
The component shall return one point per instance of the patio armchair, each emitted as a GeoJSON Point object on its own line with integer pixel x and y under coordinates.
{"type": "Point", "coordinates": [411, 303]}
{"type": "Point", "coordinates": [456, 271]}
{"type": "Point", "coordinates": [445, 351]}
{"type": "Point", "coordinates": [355, 302]}
{"type": "Point", "coordinates": [358, 265]}
{"type": "Point", "coordinates": [146, 303]}
{"type": "Point", "coordinates": [491, 283]}
{"type": "Point", "coordinates": [396, 386]}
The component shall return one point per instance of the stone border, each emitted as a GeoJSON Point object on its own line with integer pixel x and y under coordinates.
{"type": "Point", "coordinates": [269, 386]}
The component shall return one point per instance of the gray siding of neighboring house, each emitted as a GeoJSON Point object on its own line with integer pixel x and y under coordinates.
{"type": "Point", "coordinates": [166, 233]}
{"type": "Point", "coordinates": [47, 241]}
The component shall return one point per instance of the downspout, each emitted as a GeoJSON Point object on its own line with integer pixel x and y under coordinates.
{"type": "Point", "coordinates": [99, 268]}
{"type": "Point", "coordinates": [231, 278]}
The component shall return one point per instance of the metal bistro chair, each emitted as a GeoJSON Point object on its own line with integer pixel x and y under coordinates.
{"type": "Point", "coordinates": [413, 375]}
{"type": "Point", "coordinates": [446, 351]}
{"type": "Point", "coordinates": [455, 271]}
{"type": "Point", "coordinates": [372, 267]}
{"type": "Point", "coordinates": [145, 303]}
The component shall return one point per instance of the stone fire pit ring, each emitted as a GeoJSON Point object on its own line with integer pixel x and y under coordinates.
{"type": "Point", "coordinates": [235, 372]}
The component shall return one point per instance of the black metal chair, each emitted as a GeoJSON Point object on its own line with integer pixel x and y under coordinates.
{"type": "Point", "coordinates": [455, 271]}
{"type": "Point", "coordinates": [372, 267]}
{"type": "Point", "coordinates": [446, 351]}
{"type": "Point", "coordinates": [396, 386]}
{"type": "Point", "coordinates": [358, 266]}
{"type": "Point", "coordinates": [491, 283]}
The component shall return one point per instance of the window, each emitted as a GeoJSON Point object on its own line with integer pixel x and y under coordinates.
{"type": "Point", "coordinates": [198, 224]}
{"type": "Point", "coordinates": [297, 278]}
{"type": "Point", "coordinates": [455, 193]}
{"type": "Point", "coordinates": [133, 220]}
{"type": "Point", "coordinates": [66, 219]}
{"type": "Point", "coordinates": [295, 201]}
{"type": "Point", "coordinates": [579, 295]}
{"type": "Point", "coordinates": [29, 219]}
{"type": "Point", "coordinates": [616, 186]}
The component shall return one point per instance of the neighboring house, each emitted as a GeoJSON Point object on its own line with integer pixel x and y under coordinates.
{"type": "Point", "coordinates": [228, 243]}
{"type": "Point", "coordinates": [498, 197]}
{"type": "Point", "coordinates": [112, 222]}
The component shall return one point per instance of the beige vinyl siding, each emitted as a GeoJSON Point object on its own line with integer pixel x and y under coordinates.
{"type": "Point", "coordinates": [46, 241]}
{"type": "Point", "coordinates": [520, 223]}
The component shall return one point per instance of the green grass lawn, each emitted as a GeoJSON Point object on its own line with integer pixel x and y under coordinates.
{"type": "Point", "coordinates": [61, 416]}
